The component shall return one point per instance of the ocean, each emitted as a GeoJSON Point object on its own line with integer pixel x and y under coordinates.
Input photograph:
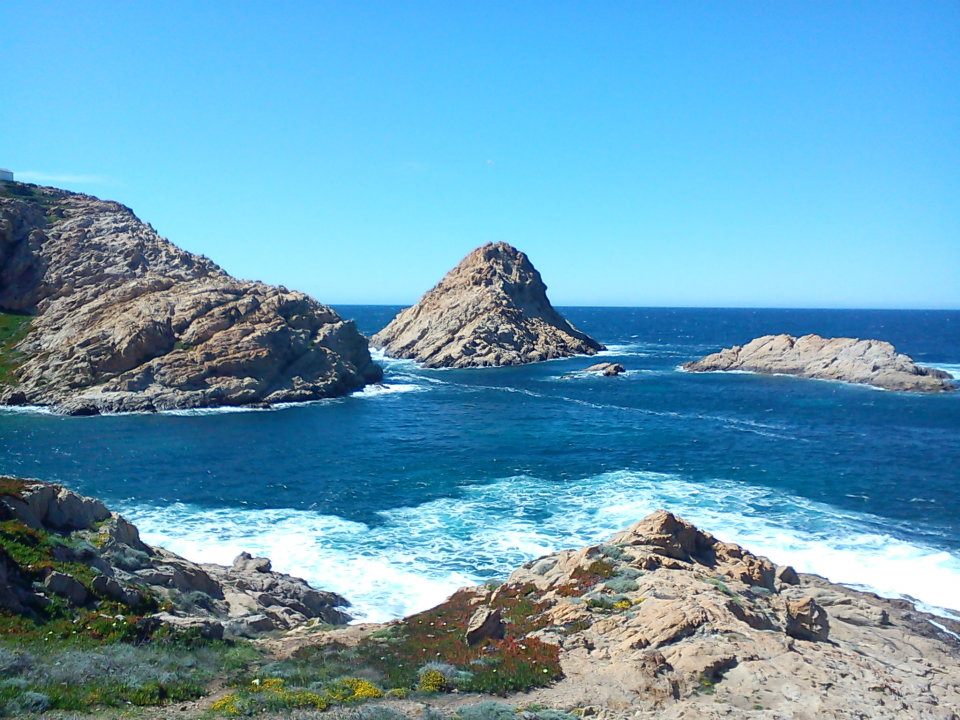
{"type": "Point", "coordinates": [399, 494]}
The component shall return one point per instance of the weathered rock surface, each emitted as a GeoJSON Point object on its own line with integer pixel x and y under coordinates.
{"type": "Point", "coordinates": [124, 320]}
{"type": "Point", "coordinates": [491, 309]}
{"type": "Point", "coordinates": [606, 369]}
{"type": "Point", "coordinates": [868, 362]}
{"type": "Point", "coordinates": [247, 598]}
{"type": "Point", "coordinates": [667, 621]}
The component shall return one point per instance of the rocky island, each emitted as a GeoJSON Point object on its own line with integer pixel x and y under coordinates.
{"type": "Point", "coordinates": [104, 315]}
{"type": "Point", "coordinates": [662, 620]}
{"type": "Point", "coordinates": [490, 310]}
{"type": "Point", "coordinates": [867, 362]}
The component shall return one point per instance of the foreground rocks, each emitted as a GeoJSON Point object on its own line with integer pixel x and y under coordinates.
{"type": "Point", "coordinates": [123, 320]}
{"type": "Point", "coordinates": [667, 621]}
{"type": "Point", "coordinates": [96, 555]}
{"type": "Point", "coordinates": [868, 362]}
{"type": "Point", "coordinates": [491, 309]}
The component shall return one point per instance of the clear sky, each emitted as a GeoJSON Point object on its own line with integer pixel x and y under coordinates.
{"type": "Point", "coordinates": [642, 153]}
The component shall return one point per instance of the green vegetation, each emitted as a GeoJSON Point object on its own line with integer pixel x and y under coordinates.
{"type": "Point", "coordinates": [77, 674]}
{"type": "Point", "coordinates": [428, 653]}
{"type": "Point", "coordinates": [13, 328]}
{"type": "Point", "coordinates": [722, 587]}
{"type": "Point", "coordinates": [56, 655]}
{"type": "Point", "coordinates": [34, 195]}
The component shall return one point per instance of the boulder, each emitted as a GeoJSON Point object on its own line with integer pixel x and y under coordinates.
{"type": "Point", "coordinates": [207, 627]}
{"type": "Point", "coordinates": [66, 586]}
{"type": "Point", "coordinates": [606, 369]}
{"type": "Point", "coordinates": [486, 623]}
{"type": "Point", "coordinates": [806, 620]}
{"type": "Point", "coordinates": [787, 575]}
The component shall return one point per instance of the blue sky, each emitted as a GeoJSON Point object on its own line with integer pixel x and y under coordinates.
{"type": "Point", "coordinates": [720, 154]}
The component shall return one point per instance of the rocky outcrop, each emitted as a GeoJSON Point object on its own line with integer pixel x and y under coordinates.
{"type": "Point", "coordinates": [667, 621]}
{"type": "Point", "coordinates": [123, 320]}
{"type": "Point", "coordinates": [95, 555]}
{"type": "Point", "coordinates": [868, 362]}
{"type": "Point", "coordinates": [606, 369]}
{"type": "Point", "coordinates": [491, 309]}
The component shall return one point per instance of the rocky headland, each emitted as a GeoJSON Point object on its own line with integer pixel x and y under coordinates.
{"type": "Point", "coordinates": [57, 545]}
{"type": "Point", "coordinates": [666, 621]}
{"type": "Point", "coordinates": [490, 310]}
{"type": "Point", "coordinates": [107, 316]}
{"type": "Point", "coordinates": [662, 620]}
{"type": "Point", "coordinates": [867, 362]}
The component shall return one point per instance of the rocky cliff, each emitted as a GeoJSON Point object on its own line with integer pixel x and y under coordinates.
{"type": "Point", "coordinates": [56, 545]}
{"type": "Point", "coordinates": [868, 362]}
{"type": "Point", "coordinates": [491, 309]}
{"type": "Point", "coordinates": [120, 319]}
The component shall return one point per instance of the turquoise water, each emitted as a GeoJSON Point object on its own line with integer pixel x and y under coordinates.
{"type": "Point", "coordinates": [439, 478]}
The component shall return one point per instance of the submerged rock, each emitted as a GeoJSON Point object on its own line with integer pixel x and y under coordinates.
{"type": "Point", "coordinates": [491, 309]}
{"type": "Point", "coordinates": [869, 362]}
{"type": "Point", "coordinates": [123, 320]}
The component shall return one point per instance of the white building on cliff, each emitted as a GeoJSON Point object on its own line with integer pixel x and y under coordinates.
{"type": "Point", "coordinates": [6, 175]}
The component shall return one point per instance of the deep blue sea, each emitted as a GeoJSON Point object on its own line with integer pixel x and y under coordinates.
{"type": "Point", "coordinates": [401, 493]}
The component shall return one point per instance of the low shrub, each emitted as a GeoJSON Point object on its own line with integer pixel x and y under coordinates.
{"type": "Point", "coordinates": [487, 710]}
{"type": "Point", "coordinates": [621, 584]}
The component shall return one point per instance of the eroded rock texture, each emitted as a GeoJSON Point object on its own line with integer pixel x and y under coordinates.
{"type": "Point", "coordinates": [123, 320]}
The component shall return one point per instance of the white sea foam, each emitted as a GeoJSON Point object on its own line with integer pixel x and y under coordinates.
{"type": "Point", "coordinates": [416, 556]}
{"type": "Point", "coordinates": [952, 368]}
{"type": "Point", "coordinates": [26, 409]}
{"type": "Point", "coordinates": [380, 389]}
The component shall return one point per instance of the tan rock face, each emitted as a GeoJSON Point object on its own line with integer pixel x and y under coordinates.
{"type": "Point", "coordinates": [491, 309]}
{"type": "Point", "coordinates": [124, 320]}
{"type": "Point", "coordinates": [869, 362]}
{"type": "Point", "coordinates": [666, 621]}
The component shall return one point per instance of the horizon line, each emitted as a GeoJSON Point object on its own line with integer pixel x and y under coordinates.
{"type": "Point", "coordinates": [849, 308]}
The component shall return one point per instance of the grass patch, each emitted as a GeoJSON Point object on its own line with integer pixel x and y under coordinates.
{"type": "Point", "coordinates": [428, 652]}
{"type": "Point", "coordinates": [76, 675]}
{"type": "Point", "coordinates": [722, 587]}
{"type": "Point", "coordinates": [12, 487]}
{"type": "Point", "coordinates": [13, 328]}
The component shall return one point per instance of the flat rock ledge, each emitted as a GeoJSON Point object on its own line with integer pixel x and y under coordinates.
{"type": "Point", "coordinates": [866, 362]}
{"type": "Point", "coordinates": [245, 599]}
{"type": "Point", "coordinates": [118, 319]}
{"type": "Point", "coordinates": [490, 310]}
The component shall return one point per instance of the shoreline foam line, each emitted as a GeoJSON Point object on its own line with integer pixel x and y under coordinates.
{"type": "Point", "coordinates": [417, 556]}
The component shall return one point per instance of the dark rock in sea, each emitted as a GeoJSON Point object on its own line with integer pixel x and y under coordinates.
{"type": "Point", "coordinates": [868, 362]}
{"type": "Point", "coordinates": [123, 320]}
{"type": "Point", "coordinates": [491, 309]}
{"type": "Point", "coordinates": [606, 369]}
